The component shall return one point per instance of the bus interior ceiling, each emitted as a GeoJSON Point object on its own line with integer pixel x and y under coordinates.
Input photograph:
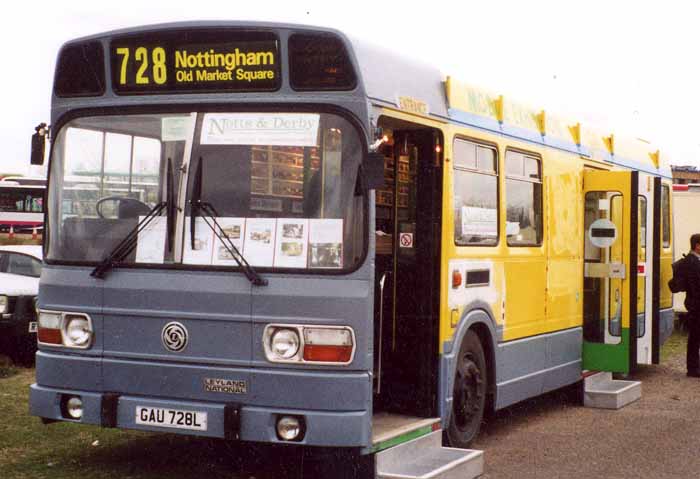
{"type": "Point", "coordinates": [408, 219]}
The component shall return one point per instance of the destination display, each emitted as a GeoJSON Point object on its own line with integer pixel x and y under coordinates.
{"type": "Point", "coordinates": [147, 65]}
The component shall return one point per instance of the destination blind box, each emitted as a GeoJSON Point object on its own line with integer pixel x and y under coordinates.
{"type": "Point", "coordinates": [203, 61]}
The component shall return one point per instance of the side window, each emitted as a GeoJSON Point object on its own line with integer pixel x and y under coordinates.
{"type": "Point", "coordinates": [475, 194]}
{"type": "Point", "coordinates": [523, 199]}
{"type": "Point", "coordinates": [666, 216]}
{"type": "Point", "coordinates": [23, 265]}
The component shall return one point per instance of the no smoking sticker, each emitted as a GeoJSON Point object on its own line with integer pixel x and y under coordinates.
{"type": "Point", "coordinates": [406, 240]}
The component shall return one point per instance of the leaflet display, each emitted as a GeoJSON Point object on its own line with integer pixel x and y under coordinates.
{"type": "Point", "coordinates": [235, 230]}
{"type": "Point", "coordinates": [259, 244]}
{"type": "Point", "coordinates": [203, 243]}
{"type": "Point", "coordinates": [291, 246]}
{"type": "Point", "coordinates": [150, 246]}
{"type": "Point", "coordinates": [264, 242]}
{"type": "Point", "coordinates": [326, 243]}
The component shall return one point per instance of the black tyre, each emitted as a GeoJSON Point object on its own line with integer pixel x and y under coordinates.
{"type": "Point", "coordinates": [469, 393]}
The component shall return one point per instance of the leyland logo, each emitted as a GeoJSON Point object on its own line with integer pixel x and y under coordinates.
{"type": "Point", "coordinates": [174, 337]}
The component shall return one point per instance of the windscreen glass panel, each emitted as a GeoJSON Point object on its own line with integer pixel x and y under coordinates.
{"type": "Point", "coordinates": [108, 172]}
{"type": "Point", "coordinates": [283, 186]}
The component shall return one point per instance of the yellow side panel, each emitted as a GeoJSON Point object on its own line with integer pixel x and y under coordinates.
{"type": "Point", "coordinates": [666, 274]}
{"type": "Point", "coordinates": [565, 215]}
{"type": "Point", "coordinates": [564, 294]}
{"type": "Point", "coordinates": [525, 294]}
{"type": "Point", "coordinates": [565, 242]}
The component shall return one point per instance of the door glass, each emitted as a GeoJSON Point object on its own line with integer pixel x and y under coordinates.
{"type": "Point", "coordinates": [603, 255]}
{"type": "Point", "coordinates": [641, 259]}
{"type": "Point", "coordinates": [615, 253]}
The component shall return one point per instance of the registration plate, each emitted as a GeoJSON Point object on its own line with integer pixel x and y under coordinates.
{"type": "Point", "coordinates": [175, 418]}
{"type": "Point", "coordinates": [32, 326]}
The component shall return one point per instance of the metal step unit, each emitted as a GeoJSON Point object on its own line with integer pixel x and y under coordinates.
{"type": "Point", "coordinates": [425, 458]}
{"type": "Point", "coordinates": [603, 392]}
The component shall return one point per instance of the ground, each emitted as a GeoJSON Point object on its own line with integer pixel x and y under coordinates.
{"type": "Point", "coordinates": [548, 437]}
{"type": "Point", "coordinates": [553, 436]}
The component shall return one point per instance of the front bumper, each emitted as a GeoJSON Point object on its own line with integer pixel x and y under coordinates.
{"type": "Point", "coordinates": [335, 407]}
{"type": "Point", "coordinates": [323, 428]}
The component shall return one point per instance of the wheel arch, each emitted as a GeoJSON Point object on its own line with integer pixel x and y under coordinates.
{"type": "Point", "coordinates": [477, 317]}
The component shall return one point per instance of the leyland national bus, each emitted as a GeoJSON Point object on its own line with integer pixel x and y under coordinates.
{"type": "Point", "coordinates": [338, 247]}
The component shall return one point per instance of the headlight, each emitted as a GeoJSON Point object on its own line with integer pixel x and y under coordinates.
{"type": "Point", "coordinates": [284, 343]}
{"type": "Point", "coordinates": [70, 330]}
{"type": "Point", "coordinates": [290, 428]}
{"type": "Point", "coordinates": [74, 407]}
{"type": "Point", "coordinates": [314, 344]}
{"type": "Point", "coordinates": [4, 304]}
{"type": "Point", "coordinates": [77, 331]}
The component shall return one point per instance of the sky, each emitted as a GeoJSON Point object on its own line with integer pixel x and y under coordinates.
{"type": "Point", "coordinates": [628, 68]}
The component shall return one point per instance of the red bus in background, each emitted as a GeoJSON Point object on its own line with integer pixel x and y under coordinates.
{"type": "Point", "coordinates": [22, 204]}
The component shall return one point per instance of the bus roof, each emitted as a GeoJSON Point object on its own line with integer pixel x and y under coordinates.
{"type": "Point", "coordinates": [405, 84]}
{"type": "Point", "coordinates": [395, 81]}
{"type": "Point", "coordinates": [24, 180]}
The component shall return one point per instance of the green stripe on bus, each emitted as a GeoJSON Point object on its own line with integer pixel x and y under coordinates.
{"type": "Point", "coordinates": [395, 441]}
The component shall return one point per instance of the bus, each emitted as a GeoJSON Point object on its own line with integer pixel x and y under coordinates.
{"type": "Point", "coordinates": [22, 204]}
{"type": "Point", "coordinates": [340, 247]}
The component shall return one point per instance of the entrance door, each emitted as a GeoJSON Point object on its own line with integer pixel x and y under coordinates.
{"type": "Point", "coordinates": [407, 272]}
{"type": "Point", "coordinates": [610, 270]}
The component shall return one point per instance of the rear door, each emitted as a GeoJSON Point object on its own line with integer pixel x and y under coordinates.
{"type": "Point", "coordinates": [610, 270]}
{"type": "Point", "coordinates": [646, 270]}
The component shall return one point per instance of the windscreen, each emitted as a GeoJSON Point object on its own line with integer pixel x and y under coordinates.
{"type": "Point", "coordinates": [282, 185]}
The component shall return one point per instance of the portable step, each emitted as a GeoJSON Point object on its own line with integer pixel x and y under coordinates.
{"type": "Point", "coordinates": [425, 458]}
{"type": "Point", "coordinates": [603, 392]}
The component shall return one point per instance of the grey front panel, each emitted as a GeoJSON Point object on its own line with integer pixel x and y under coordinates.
{"type": "Point", "coordinates": [214, 307]}
{"type": "Point", "coordinates": [329, 300]}
{"type": "Point", "coordinates": [72, 289]}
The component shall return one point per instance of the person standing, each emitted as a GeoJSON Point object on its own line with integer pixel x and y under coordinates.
{"type": "Point", "coordinates": [691, 273]}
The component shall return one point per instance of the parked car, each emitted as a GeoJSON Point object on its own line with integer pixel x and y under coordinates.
{"type": "Point", "coordinates": [20, 268]}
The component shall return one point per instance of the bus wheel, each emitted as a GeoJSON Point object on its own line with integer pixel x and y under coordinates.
{"type": "Point", "coordinates": [469, 393]}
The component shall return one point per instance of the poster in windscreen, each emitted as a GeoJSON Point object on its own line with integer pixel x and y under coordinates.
{"type": "Point", "coordinates": [326, 243]}
{"type": "Point", "coordinates": [292, 243]}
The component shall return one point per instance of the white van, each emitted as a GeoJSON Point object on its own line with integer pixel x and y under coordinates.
{"type": "Point", "coordinates": [686, 221]}
{"type": "Point", "coordinates": [20, 268]}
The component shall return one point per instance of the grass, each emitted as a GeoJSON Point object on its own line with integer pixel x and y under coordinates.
{"type": "Point", "coordinates": [674, 346]}
{"type": "Point", "coordinates": [29, 449]}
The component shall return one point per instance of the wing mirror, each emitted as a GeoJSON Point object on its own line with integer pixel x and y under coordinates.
{"type": "Point", "coordinates": [39, 144]}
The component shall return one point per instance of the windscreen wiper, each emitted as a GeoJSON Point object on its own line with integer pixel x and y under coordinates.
{"type": "Point", "coordinates": [201, 209]}
{"type": "Point", "coordinates": [130, 241]}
